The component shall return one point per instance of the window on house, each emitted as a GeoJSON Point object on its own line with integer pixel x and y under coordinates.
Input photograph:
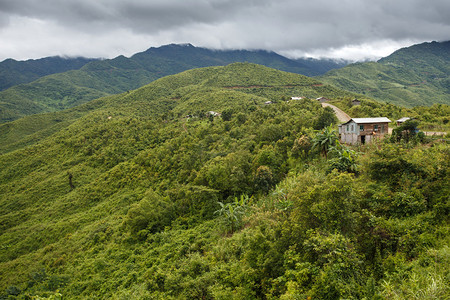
{"type": "Point", "coordinates": [348, 128]}
{"type": "Point", "coordinates": [352, 128]}
{"type": "Point", "coordinates": [382, 128]}
{"type": "Point", "coordinates": [361, 127]}
{"type": "Point", "coordinates": [375, 127]}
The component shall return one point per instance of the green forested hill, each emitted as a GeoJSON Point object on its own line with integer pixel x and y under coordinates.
{"type": "Point", "coordinates": [146, 195]}
{"type": "Point", "coordinates": [13, 72]}
{"type": "Point", "coordinates": [204, 82]}
{"type": "Point", "coordinates": [417, 75]}
{"type": "Point", "coordinates": [105, 77]}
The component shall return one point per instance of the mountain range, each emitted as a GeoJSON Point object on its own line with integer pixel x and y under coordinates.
{"type": "Point", "coordinates": [99, 78]}
{"type": "Point", "coordinates": [417, 75]}
{"type": "Point", "coordinates": [13, 72]}
{"type": "Point", "coordinates": [412, 76]}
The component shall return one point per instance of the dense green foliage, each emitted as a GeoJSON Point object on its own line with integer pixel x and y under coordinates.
{"type": "Point", "coordinates": [110, 76]}
{"type": "Point", "coordinates": [417, 75]}
{"type": "Point", "coordinates": [218, 90]}
{"type": "Point", "coordinates": [144, 195]}
{"type": "Point", "coordinates": [14, 72]}
{"type": "Point", "coordinates": [407, 132]}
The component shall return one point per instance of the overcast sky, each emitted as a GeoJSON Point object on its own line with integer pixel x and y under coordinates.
{"type": "Point", "coordinates": [350, 29]}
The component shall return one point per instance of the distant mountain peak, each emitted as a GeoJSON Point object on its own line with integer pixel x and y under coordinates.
{"type": "Point", "coordinates": [174, 46]}
{"type": "Point", "coordinates": [177, 45]}
{"type": "Point", "coordinates": [186, 45]}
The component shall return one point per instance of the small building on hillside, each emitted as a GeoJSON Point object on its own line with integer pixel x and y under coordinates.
{"type": "Point", "coordinates": [322, 99]}
{"type": "Point", "coordinates": [213, 113]}
{"type": "Point", "coordinates": [363, 130]}
{"type": "Point", "coordinates": [297, 98]}
{"type": "Point", "coordinates": [402, 120]}
{"type": "Point", "coordinates": [356, 102]}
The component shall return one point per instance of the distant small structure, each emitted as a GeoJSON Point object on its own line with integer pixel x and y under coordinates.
{"type": "Point", "coordinates": [322, 99]}
{"type": "Point", "coordinates": [297, 98]}
{"type": "Point", "coordinates": [356, 102]}
{"type": "Point", "coordinates": [213, 113]}
{"type": "Point", "coordinates": [402, 120]}
{"type": "Point", "coordinates": [363, 130]}
{"type": "Point", "coordinates": [268, 102]}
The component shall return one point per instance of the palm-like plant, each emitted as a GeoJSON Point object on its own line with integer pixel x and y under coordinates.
{"type": "Point", "coordinates": [233, 212]}
{"type": "Point", "coordinates": [283, 204]}
{"type": "Point", "coordinates": [325, 139]}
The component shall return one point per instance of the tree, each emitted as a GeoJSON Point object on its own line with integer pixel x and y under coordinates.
{"type": "Point", "coordinates": [268, 156]}
{"type": "Point", "coordinates": [301, 147]}
{"type": "Point", "coordinates": [231, 174]}
{"type": "Point", "coordinates": [405, 132]}
{"type": "Point", "coordinates": [151, 214]}
{"type": "Point", "coordinates": [241, 118]}
{"type": "Point", "coordinates": [263, 179]}
{"type": "Point", "coordinates": [326, 118]}
{"type": "Point", "coordinates": [325, 139]}
{"type": "Point", "coordinates": [227, 114]}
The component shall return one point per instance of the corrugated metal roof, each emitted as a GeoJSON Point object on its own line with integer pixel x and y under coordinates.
{"type": "Point", "coordinates": [403, 119]}
{"type": "Point", "coordinates": [369, 120]}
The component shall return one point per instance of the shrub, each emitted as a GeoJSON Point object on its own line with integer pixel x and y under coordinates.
{"type": "Point", "coordinates": [152, 213]}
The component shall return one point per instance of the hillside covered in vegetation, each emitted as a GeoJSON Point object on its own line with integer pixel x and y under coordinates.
{"type": "Point", "coordinates": [213, 184]}
{"type": "Point", "coordinates": [13, 72]}
{"type": "Point", "coordinates": [111, 76]}
{"type": "Point", "coordinates": [413, 76]}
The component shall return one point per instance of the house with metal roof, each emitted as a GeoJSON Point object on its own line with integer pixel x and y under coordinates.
{"type": "Point", "coordinates": [363, 130]}
{"type": "Point", "coordinates": [402, 120]}
{"type": "Point", "coordinates": [356, 102]}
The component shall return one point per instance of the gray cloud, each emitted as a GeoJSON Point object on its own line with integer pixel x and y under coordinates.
{"type": "Point", "coordinates": [320, 27]}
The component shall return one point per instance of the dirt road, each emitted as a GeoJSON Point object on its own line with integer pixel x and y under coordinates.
{"type": "Point", "coordinates": [341, 115]}
{"type": "Point", "coordinates": [432, 133]}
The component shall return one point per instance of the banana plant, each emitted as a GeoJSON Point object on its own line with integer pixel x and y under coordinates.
{"type": "Point", "coordinates": [233, 212]}
{"type": "Point", "coordinates": [325, 139]}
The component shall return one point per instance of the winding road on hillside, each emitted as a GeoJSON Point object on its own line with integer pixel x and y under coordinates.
{"type": "Point", "coordinates": [340, 114]}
